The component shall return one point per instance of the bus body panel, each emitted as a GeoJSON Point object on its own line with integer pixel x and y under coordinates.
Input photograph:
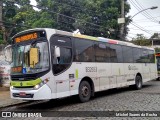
{"type": "Point", "coordinates": [42, 93]}
{"type": "Point", "coordinates": [145, 68]}
{"type": "Point", "coordinates": [87, 69]}
{"type": "Point", "coordinates": [117, 78]}
{"type": "Point", "coordinates": [104, 71]}
{"type": "Point", "coordinates": [153, 71]}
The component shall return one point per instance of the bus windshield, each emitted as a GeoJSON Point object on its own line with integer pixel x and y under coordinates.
{"type": "Point", "coordinates": [30, 58]}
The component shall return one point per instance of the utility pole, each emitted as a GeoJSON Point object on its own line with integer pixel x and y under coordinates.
{"type": "Point", "coordinates": [122, 25]}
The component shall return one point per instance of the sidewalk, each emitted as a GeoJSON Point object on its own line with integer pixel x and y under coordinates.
{"type": "Point", "coordinates": [5, 99]}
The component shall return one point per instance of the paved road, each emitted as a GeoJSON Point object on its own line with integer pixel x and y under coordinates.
{"type": "Point", "coordinates": [124, 99]}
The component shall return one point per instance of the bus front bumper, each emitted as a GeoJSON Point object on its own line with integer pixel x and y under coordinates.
{"type": "Point", "coordinates": [43, 93]}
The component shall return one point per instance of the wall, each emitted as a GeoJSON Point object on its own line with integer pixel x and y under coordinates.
{"type": "Point", "coordinates": [2, 57]}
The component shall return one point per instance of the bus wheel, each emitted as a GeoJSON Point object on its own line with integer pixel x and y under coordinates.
{"type": "Point", "coordinates": [138, 82]}
{"type": "Point", "coordinates": [84, 91]}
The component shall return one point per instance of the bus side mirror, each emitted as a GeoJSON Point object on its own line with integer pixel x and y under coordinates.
{"type": "Point", "coordinates": [57, 54]}
{"type": "Point", "coordinates": [57, 51]}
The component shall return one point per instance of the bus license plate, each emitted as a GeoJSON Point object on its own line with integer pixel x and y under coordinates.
{"type": "Point", "coordinates": [22, 94]}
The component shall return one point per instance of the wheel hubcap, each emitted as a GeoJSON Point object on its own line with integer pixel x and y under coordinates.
{"type": "Point", "coordinates": [85, 91]}
{"type": "Point", "coordinates": [139, 82]}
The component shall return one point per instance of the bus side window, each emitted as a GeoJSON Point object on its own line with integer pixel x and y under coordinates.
{"type": "Point", "coordinates": [84, 50]}
{"type": "Point", "coordinates": [77, 56]}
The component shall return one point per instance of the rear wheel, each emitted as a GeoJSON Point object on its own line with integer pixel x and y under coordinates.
{"type": "Point", "coordinates": [84, 91]}
{"type": "Point", "coordinates": [138, 82]}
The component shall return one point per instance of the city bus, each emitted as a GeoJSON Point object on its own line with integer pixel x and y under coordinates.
{"type": "Point", "coordinates": [50, 64]}
{"type": "Point", "coordinates": [158, 63]}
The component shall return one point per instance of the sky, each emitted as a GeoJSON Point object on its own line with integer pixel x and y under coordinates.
{"type": "Point", "coordinates": [33, 2]}
{"type": "Point", "coordinates": [148, 22]}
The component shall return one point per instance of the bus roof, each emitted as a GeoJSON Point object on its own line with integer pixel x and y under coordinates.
{"type": "Point", "coordinates": [102, 39]}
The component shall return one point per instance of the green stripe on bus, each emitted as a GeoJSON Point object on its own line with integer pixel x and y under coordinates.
{"type": "Point", "coordinates": [26, 83]}
{"type": "Point", "coordinates": [76, 73]}
{"type": "Point", "coordinates": [86, 37]}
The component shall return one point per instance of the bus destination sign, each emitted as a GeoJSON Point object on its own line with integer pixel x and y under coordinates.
{"type": "Point", "coordinates": [157, 54]}
{"type": "Point", "coordinates": [27, 37]}
{"type": "Point", "coordinates": [16, 69]}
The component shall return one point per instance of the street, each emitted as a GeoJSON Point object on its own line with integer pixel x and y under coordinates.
{"type": "Point", "coordinates": [121, 99]}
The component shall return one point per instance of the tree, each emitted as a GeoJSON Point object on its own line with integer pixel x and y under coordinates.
{"type": "Point", "coordinates": [8, 13]}
{"type": "Point", "coordinates": [92, 17]}
{"type": "Point", "coordinates": [11, 24]}
{"type": "Point", "coordinates": [157, 50]}
{"type": "Point", "coordinates": [141, 40]}
{"type": "Point", "coordinates": [155, 36]}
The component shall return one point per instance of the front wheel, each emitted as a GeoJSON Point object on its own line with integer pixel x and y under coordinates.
{"type": "Point", "coordinates": [84, 91]}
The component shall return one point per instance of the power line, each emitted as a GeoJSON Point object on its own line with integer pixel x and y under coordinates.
{"type": "Point", "coordinates": [141, 28]}
{"type": "Point", "coordinates": [130, 37]}
{"type": "Point", "coordinates": [145, 19]}
{"type": "Point", "coordinates": [73, 6]}
{"type": "Point", "coordinates": [147, 30]}
{"type": "Point", "coordinates": [90, 10]}
{"type": "Point", "coordinates": [142, 7]}
{"type": "Point", "coordinates": [139, 21]}
{"type": "Point", "coordinates": [83, 26]}
{"type": "Point", "coordinates": [143, 13]}
{"type": "Point", "coordinates": [79, 8]}
{"type": "Point", "coordinates": [83, 21]}
{"type": "Point", "coordinates": [152, 26]}
{"type": "Point", "coordinates": [73, 18]}
{"type": "Point", "coordinates": [93, 24]}
{"type": "Point", "coordinates": [12, 24]}
{"type": "Point", "coordinates": [132, 33]}
{"type": "Point", "coordinates": [66, 16]}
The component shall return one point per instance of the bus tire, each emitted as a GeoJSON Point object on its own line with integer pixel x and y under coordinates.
{"type": "Point", "coordinates": [138, 82]}
{"type": "Point", "coordinates": [84, 91]}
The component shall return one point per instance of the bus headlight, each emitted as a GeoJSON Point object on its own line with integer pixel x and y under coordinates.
{"type": "Point", "coordinates": [41, 84]}
{"type": "Point", "coordinates": [37, 86]}
{"type": "Point", "coordinates": [12, 87]}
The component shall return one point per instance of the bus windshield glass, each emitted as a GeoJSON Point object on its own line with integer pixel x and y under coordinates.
{"type": "Point", "coordinates": [30, 58]}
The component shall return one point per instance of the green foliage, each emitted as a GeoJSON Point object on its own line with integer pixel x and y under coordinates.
{"type": "Point", "coordinates": [91, 17]}
{"type": "Point", "coordinates": [44, 21]}
{"type": "Point", "coordinates": [155, 36]}
{"type": "Point", "coordinates": [157, 50]}
{"type": "Point", "coordinates": [141, 40]}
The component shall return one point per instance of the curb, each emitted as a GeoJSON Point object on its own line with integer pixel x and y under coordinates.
{"type": "Point", "coordinates": [2, 88]}
{"type": "Point", "coordinates": [7, 102]}
{"type": "Point", "coordinates": [12, 104]}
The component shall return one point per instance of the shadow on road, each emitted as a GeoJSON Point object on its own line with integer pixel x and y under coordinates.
{"type": "Point", "coordinates": [73, 100]}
